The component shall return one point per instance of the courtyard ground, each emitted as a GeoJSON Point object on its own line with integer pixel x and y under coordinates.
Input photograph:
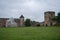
{"type": "Point", "coordinates": [30, 33]}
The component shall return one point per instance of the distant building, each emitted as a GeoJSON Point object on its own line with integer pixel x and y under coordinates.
{"type": "Point", "coordinates": [48, 18]}
{"type": "Point", "coordinates": [19, 21]}
{"type": "Point", "coordinates": [34, 23]}
{"type": "Point", "coordinates": [11, 23]}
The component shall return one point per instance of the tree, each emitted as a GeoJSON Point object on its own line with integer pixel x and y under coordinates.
{"type": "Point", "coordinates": [38, 25]}
{"type": "Point", "coordinates": [58, 17]}
{"type": "Point", "coordinates": [27, 22]}
{"type": "Point", "coordinates": [55, 18]}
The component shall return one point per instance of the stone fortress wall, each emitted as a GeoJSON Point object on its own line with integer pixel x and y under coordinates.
{"type": "Point", "coordinates": [4, 23]}
{"type": "Point", "coordinates": [48, 16]}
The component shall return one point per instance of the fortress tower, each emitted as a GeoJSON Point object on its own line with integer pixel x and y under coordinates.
{"type": "Point", "coordinates": [21, 20]}
{"type": "Point", "coordinates": [48, 16]}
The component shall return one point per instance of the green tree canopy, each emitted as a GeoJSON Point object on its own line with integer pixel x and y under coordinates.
{"type": "Point", "coordinates": [28, 22]}
{"type": "Point", "coordinates": [58, 17]}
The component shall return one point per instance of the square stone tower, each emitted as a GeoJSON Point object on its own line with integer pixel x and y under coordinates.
{"type": "Point", "coordinates": [48, 18]}
{"type": "Point", "coordinates": [21, 20]}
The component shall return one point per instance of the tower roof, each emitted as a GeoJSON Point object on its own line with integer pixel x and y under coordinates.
{"type": "Point", "coordinates": [21, 16]}
{"type": "Point", "coordinates": [49, 12]}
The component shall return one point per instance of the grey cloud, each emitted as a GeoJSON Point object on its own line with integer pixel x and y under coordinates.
{"type": "Point", "coordinates": [33, 10]}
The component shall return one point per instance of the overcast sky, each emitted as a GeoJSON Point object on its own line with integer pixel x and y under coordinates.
{"type": "Point", "coordinates": [33, 9]}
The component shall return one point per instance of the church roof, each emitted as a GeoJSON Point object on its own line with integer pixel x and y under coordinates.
{"type": "Point", "coordinates": [21, 16]}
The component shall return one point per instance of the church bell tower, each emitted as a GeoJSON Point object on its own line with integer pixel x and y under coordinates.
{"type": "Point", "coordinates": [21, 20]}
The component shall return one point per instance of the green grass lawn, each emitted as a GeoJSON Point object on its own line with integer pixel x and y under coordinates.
{"type": "Point", "coordinates": [30, 33]}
